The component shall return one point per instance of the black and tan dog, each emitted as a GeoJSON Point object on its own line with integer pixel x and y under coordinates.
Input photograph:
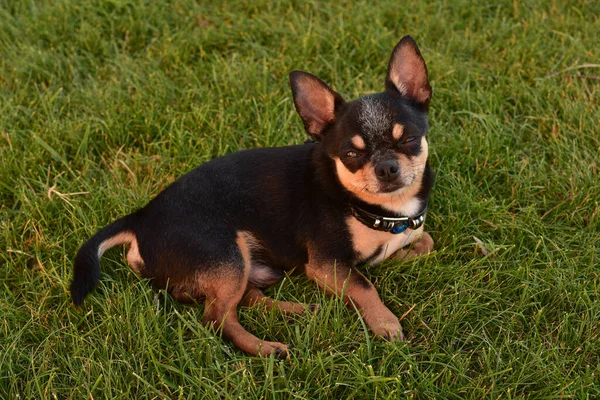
{"type": "Point", "coordinates": [236, 224]}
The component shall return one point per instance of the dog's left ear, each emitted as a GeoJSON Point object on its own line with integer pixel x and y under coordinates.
{"type": "Point", "coordinates": [407, 73]}
{"type": "Point", "coordinates": [315, 101]}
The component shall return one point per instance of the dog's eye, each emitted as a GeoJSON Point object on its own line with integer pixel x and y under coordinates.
{"type": "Point", "coordinates": [351, 154]}
{"type": "Point", "coordinates": [409, 139]}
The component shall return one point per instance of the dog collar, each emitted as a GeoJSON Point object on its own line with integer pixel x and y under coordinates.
{"type": "Point", "coordinates": [393, 225]}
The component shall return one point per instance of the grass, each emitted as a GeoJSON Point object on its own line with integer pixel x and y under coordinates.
{"type": "Point", "coordinates": [104, 103]}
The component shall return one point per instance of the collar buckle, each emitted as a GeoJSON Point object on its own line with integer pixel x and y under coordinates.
{"type": "Point", "coordinates": [417, 222]}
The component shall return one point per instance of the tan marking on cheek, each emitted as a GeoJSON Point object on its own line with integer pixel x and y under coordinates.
{"type": "Point", "coordinates": [424, 149]}
{"type": "Point", "coordinates": [412, 168]}
{"type": "Point", "coordinates": [354, 182]}
{"type": "Point", "coordinates": [397, 131]}
{"type": "Point", "coordinates": [363, 184]}
{"type": "Point", "coordinates": [358, 142]}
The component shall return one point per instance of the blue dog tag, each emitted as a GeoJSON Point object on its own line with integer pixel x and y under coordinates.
{"type": "Point", "coordinates": [399, 228]}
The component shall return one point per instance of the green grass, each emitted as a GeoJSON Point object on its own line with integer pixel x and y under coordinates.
{"type": "Point", "coordinates": [104, 103]}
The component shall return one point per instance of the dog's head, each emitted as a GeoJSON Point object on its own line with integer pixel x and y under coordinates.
{"type": "Point", "coordinates": [377, 142]}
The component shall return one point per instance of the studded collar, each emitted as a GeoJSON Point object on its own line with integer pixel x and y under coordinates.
{"type": "Point", "coordinates": [393, 225]}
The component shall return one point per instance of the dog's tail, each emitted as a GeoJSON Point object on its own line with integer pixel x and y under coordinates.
{"type": "Point", "coordinates": [86, 273]}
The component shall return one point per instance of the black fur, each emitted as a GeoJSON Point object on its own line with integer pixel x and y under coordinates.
{"type": "Point", "coordinates": [87, 264]}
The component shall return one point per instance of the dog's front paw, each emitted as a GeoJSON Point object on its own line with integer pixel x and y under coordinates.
{"type": "Point", "coordinates": [279, 350]}
{"type": "Point", "coordinates": [424, 245]}
{"type": "Point", "coordinates": [384, 324]}
{"type": "Point", "coordinates": [421, 247]}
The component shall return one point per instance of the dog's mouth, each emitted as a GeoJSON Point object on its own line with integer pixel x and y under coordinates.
{"type": "Point", "coordinates": [389, 187]}
{"type": "Point", "coordinates": [384, 188]}
{"type": "Point", "coordinates": [395, 186]}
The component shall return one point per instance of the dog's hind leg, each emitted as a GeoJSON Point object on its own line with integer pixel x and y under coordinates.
{"type": "Point", "coordinates": [134, 259]}
{"type": "Point", "coordinates": [221, 312]}
{"type": "Point", "coordinates": [254, 297]}
{"type": "Point", "coordinates": [223, 295]}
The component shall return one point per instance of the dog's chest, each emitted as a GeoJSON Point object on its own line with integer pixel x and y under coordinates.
{"type": "Point", "coordinates": [377, 245]}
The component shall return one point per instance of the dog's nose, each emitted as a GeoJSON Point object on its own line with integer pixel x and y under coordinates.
{"type": "Point", "coordinates": [387, 170]}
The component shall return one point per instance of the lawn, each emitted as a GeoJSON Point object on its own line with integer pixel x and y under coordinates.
{"type": "Point", "coordinates": [104, 103]}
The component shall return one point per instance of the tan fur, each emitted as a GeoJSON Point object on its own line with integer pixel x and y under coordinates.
{"type": "Point", "coordinates": [134, 259]}
{"type": "Point", "coordinates": [397, 131]}
{"type": "Point", "coordinates": [364, 184]}
{"type": "Point", "coordinates": [358, 142]}
{"type": "Point", "coordinates": [413, 167]}
{"type": "Point", "coordinates": [366, 240]}
{"type": "Point", "coordinates": [119, 239]}
{"type": "Point", "coordinates": [224, 293]}
{"type": "Point", "coordinates": [246, 243]}
{"type": "Point", "coordinates": [223, 288]}
{"type": "Point", "coordinates": [417, 248]}
{"type": "Point", "coordinates": [357, 291]}
{"type": "Point", "coordinates": [255, 297]}
{"type": "Point", "coordinates": [201, 287]}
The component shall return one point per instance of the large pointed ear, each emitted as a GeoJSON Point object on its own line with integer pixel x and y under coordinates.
{"type": "Point", "coordinates": [315, 102]}
{"type": "Point", "coordinates": [407, 73]}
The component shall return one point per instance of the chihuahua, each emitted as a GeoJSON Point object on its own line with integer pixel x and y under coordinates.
{"type": "Point", "coordinates": [357, 193]}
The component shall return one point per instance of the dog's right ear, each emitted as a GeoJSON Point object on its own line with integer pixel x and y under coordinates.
{"type": "Point", "coordinates": [407, 73]}
{"type": "Point", "coordinates": [315, 101]}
